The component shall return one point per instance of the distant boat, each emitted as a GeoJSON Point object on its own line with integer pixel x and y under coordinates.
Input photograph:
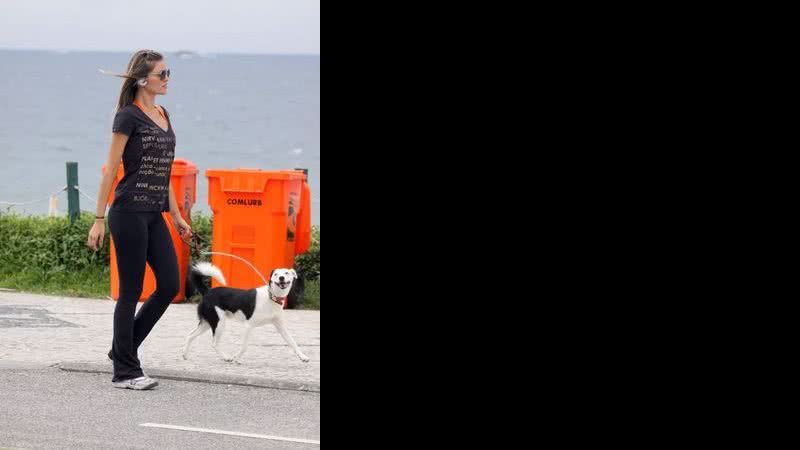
{"type": "Point", "coordinates": [186, 54]}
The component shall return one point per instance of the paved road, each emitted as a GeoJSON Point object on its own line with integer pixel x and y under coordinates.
{"type": "Point", "coordinates": [47, 408]}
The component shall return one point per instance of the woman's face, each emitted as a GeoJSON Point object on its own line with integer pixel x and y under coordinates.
{"type": "Point", "coordinates": [155, 85]}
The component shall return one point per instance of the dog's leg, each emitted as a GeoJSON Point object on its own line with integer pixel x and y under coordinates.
{"type": "Point", "coordinates": [281, 326]}
{"type": "Point", "coordinates": [218, 336]}
{"type": "Point", "coordinates": [202, 328]}
{"type": "Point", "coordinates": [247, 331]}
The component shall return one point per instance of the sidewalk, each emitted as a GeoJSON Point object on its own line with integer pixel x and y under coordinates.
{"type": "Point", "coordinates": [75, 334]}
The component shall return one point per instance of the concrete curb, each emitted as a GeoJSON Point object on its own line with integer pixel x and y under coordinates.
{"type": "Point", "coordinates": [24, 365]}
{"type": "Point", "coordinates": [200, 377]}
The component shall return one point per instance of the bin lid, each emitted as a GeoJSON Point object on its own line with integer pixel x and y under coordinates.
{"type": "Point", "coordinates": [271, 174]}
{"type": "Point", "coordinates": [300, 172]}
{"type": "Point", "coordinates": [182, 167]}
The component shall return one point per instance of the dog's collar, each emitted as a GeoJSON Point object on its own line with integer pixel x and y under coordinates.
{"type": "Point", "coordinates": [279, 300]}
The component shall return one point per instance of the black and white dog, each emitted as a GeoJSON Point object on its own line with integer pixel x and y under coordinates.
{"type": "Point", "coordinates": [255, 307]}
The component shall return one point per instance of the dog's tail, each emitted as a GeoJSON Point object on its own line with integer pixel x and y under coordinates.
{"type": "Point", "coordinates": [206, 269]}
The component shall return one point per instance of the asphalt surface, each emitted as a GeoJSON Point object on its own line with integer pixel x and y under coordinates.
{"type": "Point", "coordinates": [47, 408]}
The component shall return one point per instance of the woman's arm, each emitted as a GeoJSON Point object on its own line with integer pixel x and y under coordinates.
{"type": "Point", "coordinates": [118, 141]}
{"type": "Point", "coordinates": [97, 233]}
{"type": "Point", "coordinates": [183, 228]}
{"type": "Point", "coordinates": [173, 204]}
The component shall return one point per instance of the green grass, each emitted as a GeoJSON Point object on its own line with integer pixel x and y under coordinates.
{"type": "Point", "coordinates": [312, 296]}
{"type": "Point", "coordinates": [88, 283]}
{"type": "Point", "coordinates": [95, 283]}
{"type": "Point", "coordinates": [45, 255]}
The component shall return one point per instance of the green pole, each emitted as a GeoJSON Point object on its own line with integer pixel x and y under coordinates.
{"type": "Point", "coordinates": [73, 197]}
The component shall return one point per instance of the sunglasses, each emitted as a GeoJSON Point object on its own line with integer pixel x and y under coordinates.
{"type": "Point", "coordinates": [163, 74]}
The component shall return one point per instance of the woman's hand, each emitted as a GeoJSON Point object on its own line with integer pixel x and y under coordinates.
{"type": "Point", "coordinates": [96, 235]}
{"type": "Point", "coordinates": [184, 229]}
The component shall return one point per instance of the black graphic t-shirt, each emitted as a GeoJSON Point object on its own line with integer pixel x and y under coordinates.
{"type": "Point", "coordinates": [147, 159]}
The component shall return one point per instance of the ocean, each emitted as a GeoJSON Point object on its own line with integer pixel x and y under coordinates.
{"type": "Point", "coordinates": [228, 111]}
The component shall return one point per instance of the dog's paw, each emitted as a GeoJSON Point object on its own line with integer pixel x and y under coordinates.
{"type": "Point", "coordinates": [185, 356]}
{"type": "Point", "coordinates": [304, 358]}
{"type": "Point", "coordinates": [229, 358]}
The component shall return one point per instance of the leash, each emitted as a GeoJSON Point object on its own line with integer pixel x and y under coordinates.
{"type": "Point", "coordinates": [198, 242]}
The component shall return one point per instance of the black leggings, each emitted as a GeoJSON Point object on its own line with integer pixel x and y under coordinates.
{"type": "Point", "coordinates": [140, 237]}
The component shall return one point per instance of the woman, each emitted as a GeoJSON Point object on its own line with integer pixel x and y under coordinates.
{"type": "Point", "coordinates": [143, 138]}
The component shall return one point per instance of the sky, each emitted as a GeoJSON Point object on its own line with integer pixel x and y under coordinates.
{"type": "Point", "coordinates": [205, 26]}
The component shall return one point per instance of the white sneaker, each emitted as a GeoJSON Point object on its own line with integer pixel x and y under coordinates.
{"type": "Point", "coordinates": [138, 384]}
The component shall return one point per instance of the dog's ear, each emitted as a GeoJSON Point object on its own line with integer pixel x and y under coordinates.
{"type": "Point", "coordinates": [294, 273]}
{"type": "Point", "coordinates": [270, 276]}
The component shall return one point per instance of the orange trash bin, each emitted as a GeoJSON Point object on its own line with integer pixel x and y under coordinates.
{"type": "Point", "coordinates": [184, 187]}
{"type": "Point", "coordinates": [255, 218]}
